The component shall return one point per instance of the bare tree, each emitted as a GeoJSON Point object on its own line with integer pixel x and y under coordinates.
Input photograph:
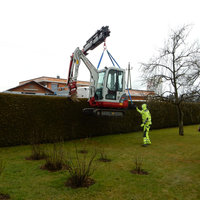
{"type": "Point", "coordinates": [177, 68]}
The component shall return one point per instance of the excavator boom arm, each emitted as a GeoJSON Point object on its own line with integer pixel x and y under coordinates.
{"type": "Point", "coordinates": [76, 58]}
{"type": "Point", "coordinates": [78, 55]}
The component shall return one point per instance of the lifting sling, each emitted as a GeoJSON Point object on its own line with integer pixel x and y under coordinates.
{"type": "Point", "coordinates": [113, 62]}
{"type": "Point", "coordinates": [109, 55]}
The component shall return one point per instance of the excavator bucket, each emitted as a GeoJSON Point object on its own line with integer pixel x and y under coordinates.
{"type": "Point", "coordinates": [74, 98]}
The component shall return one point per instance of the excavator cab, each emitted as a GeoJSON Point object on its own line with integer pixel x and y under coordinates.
{"type": "Point", "coordinates": [110, 84]}
{"type": "Point", "coordinates": [110, 89]}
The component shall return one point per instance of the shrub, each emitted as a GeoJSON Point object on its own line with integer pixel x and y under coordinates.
{"type": "Point", "coordinates": [37, 152]}
{"type": "Point", "coordinates": [4, 196]}
{"type": "Point", "coordinates": [138, 166]}
{"type": "Point", "coordinates": [81, 170]}
{"type": "Point", "coordinates": [84, 144]}
{"type": "Point", "coordinates": [103, 156]}
{"type": "Point", "coordinates": [37, 149]}
{"type": "Point", "coordinates": [55, 159]}
{"type": "Point", "coordinates": [50, 117]}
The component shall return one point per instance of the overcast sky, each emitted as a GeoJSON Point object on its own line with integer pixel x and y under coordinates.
{"type": "Point", "coordinates": [37, 37]}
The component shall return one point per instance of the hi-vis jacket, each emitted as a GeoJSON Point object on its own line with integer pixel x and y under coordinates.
{"type": "Point", "coordinates": [146, 115]}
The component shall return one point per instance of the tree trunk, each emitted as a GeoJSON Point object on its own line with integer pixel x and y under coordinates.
{"type": "Point", "coordinates": [180, 119]}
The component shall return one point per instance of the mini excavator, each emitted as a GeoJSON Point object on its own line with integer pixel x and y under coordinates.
{"type": "Point", "coordinates": [107, 96]}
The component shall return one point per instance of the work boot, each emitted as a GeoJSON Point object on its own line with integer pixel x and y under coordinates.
{"type": "Point", "coordinates": [144, 145]}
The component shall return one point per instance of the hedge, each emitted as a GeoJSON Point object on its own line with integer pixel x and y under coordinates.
{"type": "Point", "coordinates": [23, 117]}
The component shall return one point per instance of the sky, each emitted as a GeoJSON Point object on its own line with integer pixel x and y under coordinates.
{"type": "Point", "coordinates": [37, 37]}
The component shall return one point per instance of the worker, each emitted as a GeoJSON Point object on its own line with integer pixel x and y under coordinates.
{"type": "Point", "coordinates": [146, 122]}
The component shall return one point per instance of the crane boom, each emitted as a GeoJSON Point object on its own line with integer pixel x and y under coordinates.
{"type": "Point", "coordinates": [96, 39]}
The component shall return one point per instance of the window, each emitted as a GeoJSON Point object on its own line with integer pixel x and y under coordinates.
{"type": "Point", "coordinates": [115, 80]}
{"type": "Point", "coordinates": [120, 81]}
{"type": "Point", "coordinates": [54, 87]}
{"type": "Point", "coordinates": [100, 80]}
{"type": "Point", "coordinates": [111, 82]}
{"type": "Point", "coordinates": [99, 90]}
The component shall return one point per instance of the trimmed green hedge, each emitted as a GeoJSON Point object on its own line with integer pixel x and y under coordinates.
{"type": "Point", "coordinates": [23, 117]}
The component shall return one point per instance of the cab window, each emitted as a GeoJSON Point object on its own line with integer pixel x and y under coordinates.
{"type": "Point", "coordinates": [111, 82]}
{"type": "Point", "coordinates": [115, 80]}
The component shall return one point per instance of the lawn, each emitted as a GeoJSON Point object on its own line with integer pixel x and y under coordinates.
{"type": "Point", "coordinates": [172, 161]}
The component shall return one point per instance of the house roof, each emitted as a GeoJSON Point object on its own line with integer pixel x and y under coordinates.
{"type": "Point", "coordinates": [140, 92]}
{"type": "Point", "coordinates": [52, 80]}
{"type": "Point", "coordinates": [29, 83]}
{"type": "Point", "coordinates": [45, 79]}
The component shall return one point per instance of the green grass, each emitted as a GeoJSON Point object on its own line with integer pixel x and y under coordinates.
{"type": "Point", "coordinates": [173, 163]}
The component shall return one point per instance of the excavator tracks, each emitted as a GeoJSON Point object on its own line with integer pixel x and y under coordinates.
{"type": "Point", "coordinates": [104, 112]}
